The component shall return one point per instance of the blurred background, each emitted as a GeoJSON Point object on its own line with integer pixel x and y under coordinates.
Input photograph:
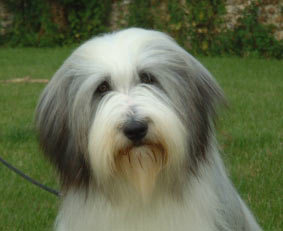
{"type": "Point", "coordinates": [233, 27]}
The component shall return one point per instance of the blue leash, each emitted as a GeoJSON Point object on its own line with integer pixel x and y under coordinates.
{"type": "Point", "coordinates": [44, 187]}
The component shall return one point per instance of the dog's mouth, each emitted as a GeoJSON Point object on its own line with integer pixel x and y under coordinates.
{"type": "Point", "coordinates": [140, 164]}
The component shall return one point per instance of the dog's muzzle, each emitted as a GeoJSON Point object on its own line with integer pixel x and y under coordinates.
{"type": "Point", "coordinates": [141, 159]}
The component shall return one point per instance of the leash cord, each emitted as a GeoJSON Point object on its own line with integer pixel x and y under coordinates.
{"type": "Point", "coordinates": [44, 187]}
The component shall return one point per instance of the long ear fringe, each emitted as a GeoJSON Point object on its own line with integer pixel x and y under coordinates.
{"type": "Point", "coordinates": [209, 97]}
{"type": "Point", "coordinates": [54, 135]}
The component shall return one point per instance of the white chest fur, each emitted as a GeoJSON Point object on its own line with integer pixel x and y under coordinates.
{"type": "Point", "coordinates": [195, 212]}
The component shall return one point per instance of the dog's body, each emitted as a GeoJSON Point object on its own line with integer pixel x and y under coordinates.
{"type": "Point", "coordinates": [128, 122]}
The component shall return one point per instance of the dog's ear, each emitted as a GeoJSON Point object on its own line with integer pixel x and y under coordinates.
{"type": "Point", "coordinates": [54, 134]}
{"type": "Point", "coordinates": [207, 98]}
{"type": "Point", "coordinates": [210, 95]}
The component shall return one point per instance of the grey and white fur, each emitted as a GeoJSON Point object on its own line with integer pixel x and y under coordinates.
{"type": "Point", "coordinates": [128, 122]}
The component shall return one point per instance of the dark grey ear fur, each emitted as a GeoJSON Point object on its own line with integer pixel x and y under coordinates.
{"type": "Point", "coordinates": [207, 97]}
{"type": "Point", "coordinates": [54, 134]}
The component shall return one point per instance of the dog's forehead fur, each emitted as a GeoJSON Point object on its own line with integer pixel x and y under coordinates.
{"type": "Point", "coordinates": [129, 46]}
{"type": "Point", "coordinates": [122, 55]}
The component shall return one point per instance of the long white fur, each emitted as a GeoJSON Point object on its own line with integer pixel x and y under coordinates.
{"type": "Point", "coordinates": [148, 194]}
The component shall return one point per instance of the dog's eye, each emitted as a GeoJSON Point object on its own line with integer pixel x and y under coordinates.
{"type": "Point", "coordinates": [147, 78]}
{"type": "Point", "coordinates": [103, 87]}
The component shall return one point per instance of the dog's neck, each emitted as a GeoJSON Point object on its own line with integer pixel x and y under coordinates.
{"type": "Point", "coordinates": [121, 192]}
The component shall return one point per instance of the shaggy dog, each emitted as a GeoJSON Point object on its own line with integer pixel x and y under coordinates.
{"type": "Point", "coordinates": [128, 122]}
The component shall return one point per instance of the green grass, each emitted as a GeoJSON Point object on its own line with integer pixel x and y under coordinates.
{"type": "Point", "coordinates": [22, 205]}
{"type": "Point", "coordinates": [250, 133]}
{"type": "Point", "coordinates": [37, 63]}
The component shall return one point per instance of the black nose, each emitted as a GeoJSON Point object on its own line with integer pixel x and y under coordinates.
{"type": "Point", "coordinates": [135, 130]}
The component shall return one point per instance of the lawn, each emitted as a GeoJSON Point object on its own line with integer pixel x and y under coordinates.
{"type": "Point", "coordinates": [250, 133]}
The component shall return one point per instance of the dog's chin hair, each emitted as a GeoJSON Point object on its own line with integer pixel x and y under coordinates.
{"type": "Point", "coordinates": [141, 166]}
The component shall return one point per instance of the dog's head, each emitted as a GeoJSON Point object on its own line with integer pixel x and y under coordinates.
{"type": "Point", "coordinates": [129, 105]}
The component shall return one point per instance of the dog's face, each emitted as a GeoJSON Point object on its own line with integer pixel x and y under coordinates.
{"type": "Point", "coordinates": [131, 105]}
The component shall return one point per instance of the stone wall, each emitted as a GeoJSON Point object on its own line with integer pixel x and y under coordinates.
{"type": "Point", "coordinates": [5, 19]}
{"type": "Point", "coordinates": [271, 12]}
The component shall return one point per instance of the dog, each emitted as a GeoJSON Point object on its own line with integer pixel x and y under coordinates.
{"type": "Point", "coordinates": [128, 122]}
